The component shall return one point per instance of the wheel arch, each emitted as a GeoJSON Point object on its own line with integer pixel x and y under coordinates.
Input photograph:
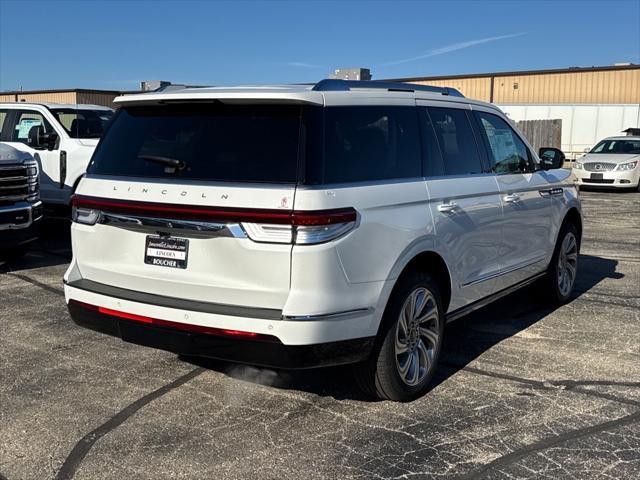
{"type": "Point", "coordinates": [430, 262]}
{"type": "Point", "coordinates": [433, 264]}
{"type": "Point", "coordinates": [573, 216]}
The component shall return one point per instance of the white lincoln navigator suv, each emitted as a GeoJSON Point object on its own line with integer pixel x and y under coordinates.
{"type": "Point", "coordinates": [310, 225]}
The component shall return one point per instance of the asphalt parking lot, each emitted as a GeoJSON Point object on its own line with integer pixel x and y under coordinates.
{"type": "Point", "coordinates": [523, 391]}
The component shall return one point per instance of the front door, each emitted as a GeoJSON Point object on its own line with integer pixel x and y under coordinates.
{"type": "Point", "coordinates": [525, 197]}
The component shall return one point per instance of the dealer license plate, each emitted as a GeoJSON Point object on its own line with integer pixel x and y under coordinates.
{"type": "Point", "coordinates": [166, 251]}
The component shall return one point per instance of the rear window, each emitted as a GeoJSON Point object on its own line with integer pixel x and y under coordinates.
{"type": "Point", "coordinates": [214, 142]}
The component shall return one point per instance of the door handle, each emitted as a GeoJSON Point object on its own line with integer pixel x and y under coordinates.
{"type": "Point", "coordinates": [447, 207]}
{"type": "Point", "coordinates": [511, 198]}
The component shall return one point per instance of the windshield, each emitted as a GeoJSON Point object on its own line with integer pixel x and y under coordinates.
{"type": "Point", "coordinates": [81, 123]}
{"type": "Point", "coordinates": [617, 146]}
{"type": "Point", "coordinates": [217, 142]}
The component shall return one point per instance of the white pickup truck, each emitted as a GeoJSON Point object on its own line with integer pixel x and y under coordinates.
{"type": "Point", "coordinates": [20, 205]}
{"type": "Point", "coordinates": [60, 137]}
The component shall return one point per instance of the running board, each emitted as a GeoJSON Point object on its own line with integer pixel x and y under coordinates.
{"type": "Point", "coordinates": [483, 302]}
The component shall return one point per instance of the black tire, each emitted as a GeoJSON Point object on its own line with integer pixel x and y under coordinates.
{"type": "Point", "coordinates": [550, 286]}
{"type": "Point", "coordinates": [380, 376]}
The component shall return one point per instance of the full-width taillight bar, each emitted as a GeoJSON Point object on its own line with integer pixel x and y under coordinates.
{"type": "Point", "coordinates": [261, 225]}
{"type": "Point", "coordinates": [226, 214]}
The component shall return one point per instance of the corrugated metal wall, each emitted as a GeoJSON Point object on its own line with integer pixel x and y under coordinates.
{"type": "Point", "coordinates": [53, 97]}
{"type": "Point", "coordinates": [617, 86]}
{"type": "Point", "coordinates": [479, 88]}
{"type": "Point", "coordinates": [610, 86]}
{"type": "Point", "coordinates": [93, 98]}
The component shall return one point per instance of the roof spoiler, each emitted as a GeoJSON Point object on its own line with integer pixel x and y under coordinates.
{"type": "Point", "coordinates": [338, 85]}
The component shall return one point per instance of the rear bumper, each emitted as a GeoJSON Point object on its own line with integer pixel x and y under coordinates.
{"type": "Point", "coordinates": [267, 351]}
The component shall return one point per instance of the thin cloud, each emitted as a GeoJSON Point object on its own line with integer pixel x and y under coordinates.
{"type": "Point", "coordinates": [304, 65]}
{"type": "Point", "coordinates": [452, 48]}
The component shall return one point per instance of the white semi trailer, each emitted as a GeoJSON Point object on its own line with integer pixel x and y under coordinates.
{"type": "Point", "coordinates": [582, 125]}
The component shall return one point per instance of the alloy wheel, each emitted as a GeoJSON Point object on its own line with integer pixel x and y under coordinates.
{"type": "Point", "coordinates": [567, 264]}
{"type": "Point", "coordinates": [417, 336]}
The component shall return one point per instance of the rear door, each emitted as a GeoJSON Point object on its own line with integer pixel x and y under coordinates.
{"type": "Point", "coordinates": [526, 199]}
{"type": "Point", "coordinates": [182, 190]}
{"type": "Point", "coordinates": [465, 204]}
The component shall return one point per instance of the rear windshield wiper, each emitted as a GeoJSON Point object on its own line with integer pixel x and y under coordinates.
{"type": "Point", "coordinates": [169, 162]}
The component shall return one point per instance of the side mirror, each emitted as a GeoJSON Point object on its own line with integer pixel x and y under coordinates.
{"type": "Point", "coordinates": [587, 150]}
{"type": "Point", "coordinates": [551, 158]}
{"type": "Point", "coordinates": [39, 140]}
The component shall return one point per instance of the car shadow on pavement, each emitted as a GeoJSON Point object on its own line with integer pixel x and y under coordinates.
{"type": "Point", "coordinates": [52, 248]}
{"type": "Point", "coordinates": [465, 340]}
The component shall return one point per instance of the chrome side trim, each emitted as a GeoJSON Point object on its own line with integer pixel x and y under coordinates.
{"type": "Point", "coordinates": [185, 228]}
{"type": "Point", "coordinates": [551, 192]}
{"type": "Point", "coordinates": [504, 272]}
{"type": "Point", "coordinates": [451, 316]}
{"type": "Point", "coordinates": [358, 312]}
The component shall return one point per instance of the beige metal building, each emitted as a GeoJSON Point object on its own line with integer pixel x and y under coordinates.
{"type": "Point", "coordinates": [618, 84]}
{"type": "Point", "coordinates": [78, 95]}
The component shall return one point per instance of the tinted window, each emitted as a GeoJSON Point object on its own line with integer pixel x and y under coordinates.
{"type": "Point", "coordinates": [456, 140]}
{"type": "Point", "coordinates": [3, 116]}
{"type": "Point", "coordinates": [83, 123]}
{"type": "Point", "coordinates": [432, 158]}
{"type": "Point", "coordinates": [368, 144]}
{"type": "Point", "coordinates": [25, 121]}
{"type": "Point", "coordinates": [617, 146]}
{"type": "Point", "coordinates": [235, 143]}
{"type": "Point", "coordinates": [507, 153]}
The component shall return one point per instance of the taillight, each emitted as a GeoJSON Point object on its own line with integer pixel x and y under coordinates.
{"type": "Point", "coordinates": [260, 225]}
{"type": "Point", "coordinates": [86, 216]}
{"type": "Point", "coordinates": [306, 228]}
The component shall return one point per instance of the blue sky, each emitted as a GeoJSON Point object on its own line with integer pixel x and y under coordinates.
{"type": "Point", "coordinates": [114, 45]}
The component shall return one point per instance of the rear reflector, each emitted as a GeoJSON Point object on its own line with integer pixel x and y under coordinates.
{"type": "Point", "coordinates": [221, 332]}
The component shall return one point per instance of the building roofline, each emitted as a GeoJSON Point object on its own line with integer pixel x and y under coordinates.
{"type": "Point", "coordinates": [518, 73]}
{"type": "Point", "coordinates": [61, 90]}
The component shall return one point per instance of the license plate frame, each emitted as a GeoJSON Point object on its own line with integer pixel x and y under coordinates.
{"type": "Point", "coordinates": [171, 252]}
{"type": "Point", "coordinates": [597, 176]}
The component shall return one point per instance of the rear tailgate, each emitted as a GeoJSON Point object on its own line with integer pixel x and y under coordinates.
{"type": "Point", "coordinates": [216, 266]}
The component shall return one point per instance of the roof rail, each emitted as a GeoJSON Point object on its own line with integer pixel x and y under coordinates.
{"type": "Point", "coordinates": [338, 85]}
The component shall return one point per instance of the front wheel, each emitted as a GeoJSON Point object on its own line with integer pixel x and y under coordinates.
{"type": "Point", "coordinates": [561, 277]}
{"type": "Point", "coordinates": [402, 365]}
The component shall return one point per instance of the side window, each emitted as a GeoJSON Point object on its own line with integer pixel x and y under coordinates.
{"type": "Point", "coordinates": [431, 156]}
{"type": "Point", "coordinates": [370, 143]}
{"type": "Point", "coordinates": [3, 116]}
{"type": "Point", "coordinates": [456, 140]}
{"type": "Point", "coordinates": [507, 153]}
{"type": "Point", "coordinates": [25, 121]}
